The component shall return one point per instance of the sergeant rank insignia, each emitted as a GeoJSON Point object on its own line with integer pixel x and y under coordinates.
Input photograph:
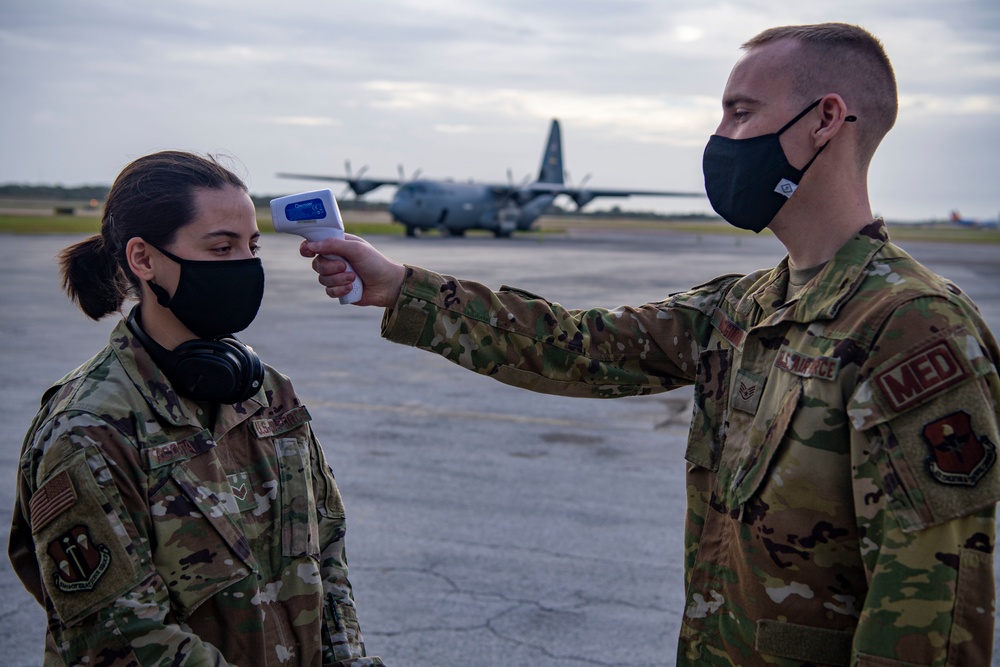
{"type": "Point", "coordinates": [80, 562]}
{"type": "Point", "coordinates": [958, 456]}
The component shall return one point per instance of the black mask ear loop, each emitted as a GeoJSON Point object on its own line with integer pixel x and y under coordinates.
{"type": "Point", "coordinates": [848, 119]}
{"type": "Point", "coordinates": [162, 297]}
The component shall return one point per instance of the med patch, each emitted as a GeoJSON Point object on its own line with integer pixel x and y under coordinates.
{"type": "Point", "coordinates": [922, 375]}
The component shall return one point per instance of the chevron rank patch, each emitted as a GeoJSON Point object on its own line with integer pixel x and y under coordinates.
{"type": "Point", "coordinates": [748, 388]}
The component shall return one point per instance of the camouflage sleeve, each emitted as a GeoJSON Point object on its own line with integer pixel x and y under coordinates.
{"type": "Point", "coordinates": [523, 340]}
{"type": "Point", "coordinates": [926, 484]}
{"type": "Point", "coordinates": [343, 644]}
{"type": "Point", "coordinates": [90, 525]}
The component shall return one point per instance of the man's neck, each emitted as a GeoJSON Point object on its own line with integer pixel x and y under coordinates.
{"type": "Point", "coordinates": [813, 231]}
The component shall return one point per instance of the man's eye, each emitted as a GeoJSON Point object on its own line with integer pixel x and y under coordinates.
{"type": "Point", "coordinates": [254, 249]}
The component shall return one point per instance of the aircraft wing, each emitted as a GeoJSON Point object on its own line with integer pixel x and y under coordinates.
{"type": "Point", "coordinates": [559, 189]}
{"type": "Point", "coordinates": [581, 196]}
{"type": "Point", "coordinates": [360, 185]}
{"type": "Point", "coordinates": [343, 179]}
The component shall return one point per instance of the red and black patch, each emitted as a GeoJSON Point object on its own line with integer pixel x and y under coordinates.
{"type": "Point", "coordinates": [958, 456]}
{"type": "Point", "coordinates": [728, 328]}
{"type": "Point", "coordinates": [80, 562]}
{"type": "Point", "coordinates": [925, 374]}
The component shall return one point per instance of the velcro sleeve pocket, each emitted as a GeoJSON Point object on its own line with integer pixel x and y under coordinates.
{"type": "Point", "coordinates": [710, 406]}
{"type": "Point", "coordinates": [933, 423]}
{"type": "Point", "coordinates": [84, 554]}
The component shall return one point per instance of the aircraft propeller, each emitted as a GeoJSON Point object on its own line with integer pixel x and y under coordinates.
{"type": "Point", "coordinates": [353, 180]}
{"type": "Point", "coordinates": [581, 197]}
{"type": "Point", "coordinates": [402, 175]}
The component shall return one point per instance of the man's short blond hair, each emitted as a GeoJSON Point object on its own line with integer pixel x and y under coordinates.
{"type": "Point", "coordinates": [847, 60]}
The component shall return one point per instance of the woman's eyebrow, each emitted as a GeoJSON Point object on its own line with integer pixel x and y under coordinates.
{"type": "Point", "coordinates": [227, 233]}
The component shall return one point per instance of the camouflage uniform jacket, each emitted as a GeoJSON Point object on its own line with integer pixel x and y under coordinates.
{"type": "Point", "coordinates": [153, 539]}
{"type": "Point", "coordinates": [841, 458]}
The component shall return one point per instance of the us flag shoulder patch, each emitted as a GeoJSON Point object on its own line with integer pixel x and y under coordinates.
{"type": "Point", "coordinates": [51, 499]}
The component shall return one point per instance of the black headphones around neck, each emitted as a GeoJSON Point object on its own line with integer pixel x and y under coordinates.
{"type": "Point", "coordinates": [219, 371]}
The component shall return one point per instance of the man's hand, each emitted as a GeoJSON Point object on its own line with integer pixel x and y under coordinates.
{"type": "Point", "coordinates": [381, 276]}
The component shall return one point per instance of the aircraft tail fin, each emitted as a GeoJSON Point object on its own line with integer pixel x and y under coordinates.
{"type": "Point", "coordinates": [551, 170]}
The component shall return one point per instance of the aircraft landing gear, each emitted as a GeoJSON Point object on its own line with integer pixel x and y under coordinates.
{"type": "Point", "coordinates": [411, 231]}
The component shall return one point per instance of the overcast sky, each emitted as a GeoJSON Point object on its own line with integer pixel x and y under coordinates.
{"type": "Point", "coordinates": [466, 89]}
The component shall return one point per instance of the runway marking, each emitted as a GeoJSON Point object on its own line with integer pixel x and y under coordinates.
{"type": "Point", "coordinates": [424, 411]}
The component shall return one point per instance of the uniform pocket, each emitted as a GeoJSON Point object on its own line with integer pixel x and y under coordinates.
{"type": "Point", "coordinates": [200, 546]}
{"type": "Point", "coordinates": [973, 604]}
{"type": "Point", "coordinates": [299, 520]}
{"type": "Point", "coordinates": [83, 559]}
{"type": "Point", "coordinates": [765, 437]}
{"type": "Point", "coordinates": [929, 413]}
{"type": "Point", "coordinates": [711, 395]}
{"type": "Point", "coordinates": [329, 502]}
{"type": "Point", "coordinates": [341, 635]}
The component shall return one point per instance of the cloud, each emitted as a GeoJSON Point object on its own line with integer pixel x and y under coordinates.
{"type": "Point", "coordinates": [676, 121]}
{"type": "Point", "coordinates": [303, 121]}
{"type": "Point", "coordinates": [419, 81]}
{"type": "Point", "coordinates": [918, 107]}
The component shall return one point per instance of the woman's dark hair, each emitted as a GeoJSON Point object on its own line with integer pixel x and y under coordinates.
{"type": "Point", "coordinates": [152, 198]}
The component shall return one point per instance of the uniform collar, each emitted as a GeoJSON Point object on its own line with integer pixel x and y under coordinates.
{"type": "Point", "coordinates": [157, 391]}
{"type": "Point", "coordinates": [823, 298]}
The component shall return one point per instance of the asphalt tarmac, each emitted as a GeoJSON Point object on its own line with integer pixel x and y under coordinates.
{"type": "Point", "coordinates": [488, 526]}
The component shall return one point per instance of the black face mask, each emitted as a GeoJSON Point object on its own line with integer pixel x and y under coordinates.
{"type": "Point", "coordinates": [214, 298]}
{"type": "Point", "coordinates": [749, 180]}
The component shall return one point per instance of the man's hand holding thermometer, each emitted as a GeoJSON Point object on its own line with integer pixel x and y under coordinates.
{"type": "Point", "coordinates": [315, 216]}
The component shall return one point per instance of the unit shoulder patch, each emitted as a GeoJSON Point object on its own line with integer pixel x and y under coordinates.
{"type": "Point", "coordinates": [80, 562]}
{"type": "Point", "coordinates": [958, 455]}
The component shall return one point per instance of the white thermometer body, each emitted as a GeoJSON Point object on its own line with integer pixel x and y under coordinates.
{"type": "Point", "coordinates": [313, 215]}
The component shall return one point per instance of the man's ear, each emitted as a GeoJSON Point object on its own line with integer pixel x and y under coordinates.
{"type": "Point", "coordinates": [140, 261]}
{"type": "Point", "coordinates": [833, 114]}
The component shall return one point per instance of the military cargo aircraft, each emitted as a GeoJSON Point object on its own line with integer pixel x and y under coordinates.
{"type": "Point", "coordinates": [453, 207]}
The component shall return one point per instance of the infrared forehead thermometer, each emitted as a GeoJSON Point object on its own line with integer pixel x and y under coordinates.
{"type": "Point", "coordinates": [313, 215]}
